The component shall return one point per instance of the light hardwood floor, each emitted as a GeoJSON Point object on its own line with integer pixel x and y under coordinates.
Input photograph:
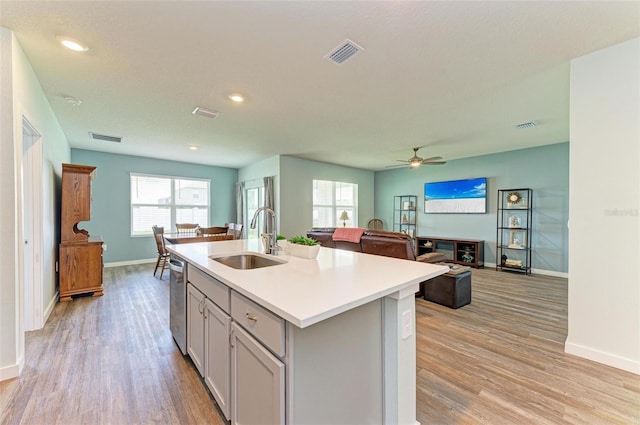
{"type": "Point", "coordinates": [499, 360]}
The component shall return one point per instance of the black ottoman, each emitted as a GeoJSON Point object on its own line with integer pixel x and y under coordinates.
{"type": "Point", "coordinates": [452, 289]}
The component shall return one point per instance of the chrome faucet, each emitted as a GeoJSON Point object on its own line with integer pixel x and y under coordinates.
{"type": "Point", "coordinates": [273, 240]}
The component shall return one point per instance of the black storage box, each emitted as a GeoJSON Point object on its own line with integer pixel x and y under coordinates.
{"type": "Point", "coordinates": [449, 290]}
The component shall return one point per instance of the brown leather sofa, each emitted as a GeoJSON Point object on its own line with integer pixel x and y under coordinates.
{"type": "Point", "coordinates": [377, 242]}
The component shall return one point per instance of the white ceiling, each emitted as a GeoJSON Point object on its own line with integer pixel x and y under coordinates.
{"type": "Point", "coordinates": [454, 77]}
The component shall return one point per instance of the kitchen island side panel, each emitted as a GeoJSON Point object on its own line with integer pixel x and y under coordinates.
{"type": "Point", "coordinates": [335, 372]}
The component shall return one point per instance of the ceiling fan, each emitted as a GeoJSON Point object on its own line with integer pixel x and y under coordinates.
{"type": "Point", "coordinates": [416, 161]}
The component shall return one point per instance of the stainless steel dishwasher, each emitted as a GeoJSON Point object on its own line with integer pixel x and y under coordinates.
{"type": "Point", "coordinates": [178, 301]}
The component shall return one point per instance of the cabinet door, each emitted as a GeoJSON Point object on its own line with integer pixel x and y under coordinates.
{"type": "Point", "coordinates": [195, 327]}
{"type": "Point", "coordinates": [257, 382]}
{"type": "Point", "coordinates": [217, 361]}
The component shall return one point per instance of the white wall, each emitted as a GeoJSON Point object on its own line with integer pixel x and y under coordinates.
{"type": "Point", "coordinates": [22, 95]}
{"type": "Point", "coordinates": [604, 187]}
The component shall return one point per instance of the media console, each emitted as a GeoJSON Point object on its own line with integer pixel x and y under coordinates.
{"type": "Point", "coordinates": [469, 252]}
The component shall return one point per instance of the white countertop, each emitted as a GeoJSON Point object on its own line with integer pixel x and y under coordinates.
{"type": "Point", "coordinates": [304, 291]}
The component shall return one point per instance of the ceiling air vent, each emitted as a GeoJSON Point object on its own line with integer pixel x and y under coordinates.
{"type": "Point", "coordinates": [105, 138]}
{"type": "Point", "coordinates": [529, 124]}
{"type": "Point", "coordinates": [203, 112]}
{"type": "Point", "coordinates": [343, 52]}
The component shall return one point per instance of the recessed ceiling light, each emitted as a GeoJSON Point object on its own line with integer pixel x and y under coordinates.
{"type": "Point", "coordinates": [193, 148]}
{"type": "Point", "coordinates": [72, 44]}
{"type": "Point", "coordinates": [237, 98]}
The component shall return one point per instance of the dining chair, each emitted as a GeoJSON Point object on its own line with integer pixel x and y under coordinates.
{"type": "Point", "coordinates": [163, 253]}
{"type": "Point", "coordinates": [186, 228]}
{"type": "Point", "coordinates": [235, 230]}
{"type": "Point", "coordinates": [375, 224]}
{"type": "Point", "coordinates": [215, 230]}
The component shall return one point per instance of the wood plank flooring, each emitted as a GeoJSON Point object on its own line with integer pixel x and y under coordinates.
{"type": "Point", "coordinates": [499, 360]}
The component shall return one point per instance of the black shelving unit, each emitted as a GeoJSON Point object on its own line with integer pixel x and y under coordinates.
{"type": "Point", "coordinates": [404, 214]}
{"type": "Point", "coordinates": [514, 230]}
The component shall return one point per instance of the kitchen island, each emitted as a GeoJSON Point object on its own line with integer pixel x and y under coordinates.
{"type": "Point", "coordinates": [328, 340]}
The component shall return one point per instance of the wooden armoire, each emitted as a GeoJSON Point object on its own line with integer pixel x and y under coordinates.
{"type": "Point", "coordinates": [80, 254]}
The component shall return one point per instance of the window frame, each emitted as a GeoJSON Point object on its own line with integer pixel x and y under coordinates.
{"type": "Point", "coordinates": [337, 209]}
{"type": "Point", "coordinates": [172, 204]}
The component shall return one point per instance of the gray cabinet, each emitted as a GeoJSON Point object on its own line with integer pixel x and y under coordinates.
{"type": "Point", "coordinates": [208, 328]}
{"type": "Point", "coordinates": [195, 327]}
{"type": "Point", "coordinates": [216, 354]}
{"type": "Point", "coordinates": [258, 384]}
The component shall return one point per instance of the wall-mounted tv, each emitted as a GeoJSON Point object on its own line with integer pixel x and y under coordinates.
{"type": "Point", "coordinates": [456, 196]}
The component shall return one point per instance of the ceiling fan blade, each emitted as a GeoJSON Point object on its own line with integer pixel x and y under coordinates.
{"type": "Point", "coordinates": [396, 166]}
{"type": "Point", "coordinates": [434, 162]}
{"type": "Point", "coordinates": [403, 160]}
{"type": "Point", "coordinates": [424, 161]}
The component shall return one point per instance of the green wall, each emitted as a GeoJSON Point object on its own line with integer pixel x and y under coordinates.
{"type": "Point", "coordinates": [544, 169]}
{"type": "Point", "coordinates": [294, 188]}
{"type": "Point", "coordinates": [111, 210]}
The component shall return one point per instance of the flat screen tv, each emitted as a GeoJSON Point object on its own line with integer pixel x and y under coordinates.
{"type": "Point", "coordinates": [456, 196]}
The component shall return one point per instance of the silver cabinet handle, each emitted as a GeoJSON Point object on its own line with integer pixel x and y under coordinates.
{"type": "Point", "coordinates": [231, 338]}
{"type": "Point", "coordinates": [251, 317]}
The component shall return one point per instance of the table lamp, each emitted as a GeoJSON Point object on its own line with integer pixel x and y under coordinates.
{"type": "Point", "coordinates": [344, 217]}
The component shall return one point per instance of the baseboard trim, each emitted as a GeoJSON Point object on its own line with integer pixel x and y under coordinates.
{"type": "Point", "coordinates": [537, 271]}
{"type": "Point", "coordinates": [598, 356]}
{"type": "Point", "coordinates": [131, 263]}
{"type": "Point", "coordinates": [50, 308]}
{"type": "Point", "coordinates": [13, 371]}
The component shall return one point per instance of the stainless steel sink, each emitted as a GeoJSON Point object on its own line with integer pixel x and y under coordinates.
{"type": "Point", "coordinates": [247, 261]}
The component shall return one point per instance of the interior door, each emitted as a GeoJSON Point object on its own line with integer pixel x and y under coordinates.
{"type": "Point", "coordinates": [31, 252]}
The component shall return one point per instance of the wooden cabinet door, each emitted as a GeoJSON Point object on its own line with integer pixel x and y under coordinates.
{"type": "Point", "coordinates": [195, 327]}
{"type": "Point", "coordinates": [257, 382]}
{"type": "Point", "coordinates": [80, 269]}
{"type": "Point", "coordinates": [217, 361]}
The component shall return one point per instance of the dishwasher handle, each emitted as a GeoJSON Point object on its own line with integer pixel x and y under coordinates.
{"type": "Point", "coordinates": [176, 264]}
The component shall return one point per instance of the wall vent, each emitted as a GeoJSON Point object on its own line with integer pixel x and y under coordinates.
{"type": "Point", "coordinates": [204, 112]}
{"type": "Point", "coordinates": [344, 51]}
{"type": "Point", "coordinates": [529, 124]}
{"type": "Point", "coordinates": [105, 138]}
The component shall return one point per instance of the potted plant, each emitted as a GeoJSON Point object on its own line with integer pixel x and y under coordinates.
{"type": "Point", "coordinates": [282, 241]}
{"type": "Point", "coordinates": [303, 247]}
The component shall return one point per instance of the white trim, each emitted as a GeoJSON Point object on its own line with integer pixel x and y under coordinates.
{"type": "Point", "coordinates": [13, 371]}
{"type": "Point", "coordinates": [537, 271]}
{"type": "Point", "coordinates": [630, 365]}
{"type": "Point", "coordinates": [130, 263]}
{"type": "Point", "coordinates": [36, 319]}
{"type": "Point", "coordinates": [50, 307]}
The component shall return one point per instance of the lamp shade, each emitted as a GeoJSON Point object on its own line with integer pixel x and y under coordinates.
{"type": "Point", "coordinates": [344, 216]}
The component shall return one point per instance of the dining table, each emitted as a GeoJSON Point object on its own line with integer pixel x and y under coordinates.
{"type": "Point", "coordinates": [180, 238]}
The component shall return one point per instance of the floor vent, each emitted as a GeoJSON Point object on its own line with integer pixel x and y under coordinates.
{"type": "Point", "coordinates": [105, 138]}
{"type": "Point", "coordinates": [343, 52]}
{"type": "Point", "coordinates": [203, 112]}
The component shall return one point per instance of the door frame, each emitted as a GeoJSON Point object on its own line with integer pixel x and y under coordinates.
{"type": "Point", "coordinates": [31, 314]}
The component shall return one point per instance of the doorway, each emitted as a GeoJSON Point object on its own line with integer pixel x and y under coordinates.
{"type": "Point", "coordinates": [31, 286]}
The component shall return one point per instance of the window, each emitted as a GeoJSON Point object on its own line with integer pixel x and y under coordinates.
{"type": "Point", "coordinates": [330, 199]}
{"type": "Point", "coordinates": [254, 199]}
{"type": "Point", "coordinates": [165, 201]}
